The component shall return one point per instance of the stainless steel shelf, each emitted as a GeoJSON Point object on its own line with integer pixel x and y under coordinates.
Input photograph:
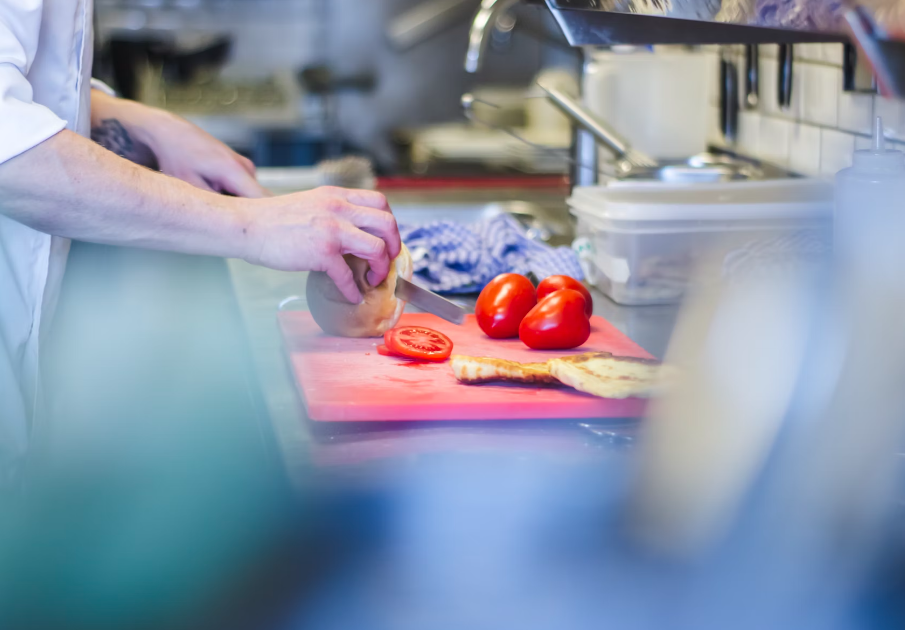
{"type": "Point", "coordinates": [611, 22]}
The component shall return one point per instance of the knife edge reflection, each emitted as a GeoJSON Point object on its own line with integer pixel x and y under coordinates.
{"type": "Point", "coordinates": [430, 302]}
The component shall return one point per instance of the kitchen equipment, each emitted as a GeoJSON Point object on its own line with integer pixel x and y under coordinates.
{"type": "Point", "coordinates": [639, 244]}
{"type": "Point", "coordinates": [347, 172]}
{"type": "Point", "coordinates": [652, 96]}
{"type": "Point", "coordinates": [430, 302]}
{"type": "Point", "coordinates": [700, 168]}
{"type": "Point", "coordinates": [426, 20]}
{"type": "Point", "coordinates": [869, 221]}
{"type": "Point", "coordinates": [627, 157]}
{"type": "Point", "coordinates": [607, 23]}
{"type": "Point", "coordinates": [483, 23]}
{"type": "Point", "coordinates": [345, 380]}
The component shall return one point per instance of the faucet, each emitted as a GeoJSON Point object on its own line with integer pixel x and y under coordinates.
{"type": "Point", "coordinates": [584, 146]}
{"type": "Point", "coordinates": [483, 23]}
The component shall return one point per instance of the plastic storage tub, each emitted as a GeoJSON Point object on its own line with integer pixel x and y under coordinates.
{"type": "Point", "coordinates": [639, 245]}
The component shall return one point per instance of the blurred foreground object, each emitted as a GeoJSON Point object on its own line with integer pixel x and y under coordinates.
{"type": "Point", "coordinates": [779, 454]}
{"type": "Point", "coordinates": [346, 172]}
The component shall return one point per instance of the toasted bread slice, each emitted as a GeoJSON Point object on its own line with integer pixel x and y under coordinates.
{"type": "Point", "coordinates": [608, 376]}
{"type": "Point", "coordinates": [486, 370]}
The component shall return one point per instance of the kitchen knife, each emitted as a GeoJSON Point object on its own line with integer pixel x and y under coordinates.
{"type": "Point", "coordinates": [430, 301]}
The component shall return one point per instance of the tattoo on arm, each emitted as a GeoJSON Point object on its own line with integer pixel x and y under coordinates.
{"type": "Point", "coordinates": [111, 135]}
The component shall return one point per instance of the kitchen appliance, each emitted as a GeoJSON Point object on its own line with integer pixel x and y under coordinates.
{"type": "Point", "coordinates": [345, 380]}
{"type": "Point", "coordinates": [640, 244]}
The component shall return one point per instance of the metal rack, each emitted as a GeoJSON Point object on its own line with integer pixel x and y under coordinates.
{"type": "Point", "coordinates": [876, 30]}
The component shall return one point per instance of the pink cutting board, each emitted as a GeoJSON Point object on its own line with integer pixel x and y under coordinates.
{"type": "Point", "coordinates": [345, 380]}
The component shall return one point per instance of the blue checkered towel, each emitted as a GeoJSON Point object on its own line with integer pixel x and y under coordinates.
{"type": "Point", "coordinates": [455, 258]}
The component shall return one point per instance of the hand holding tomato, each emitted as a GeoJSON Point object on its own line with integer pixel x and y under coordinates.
{"type": "Point", "coordinates": [503, 304]}
{"type": "Point", "coordinates": [558, 322]}
{"type": "Point", "coordinates": [555, 283]}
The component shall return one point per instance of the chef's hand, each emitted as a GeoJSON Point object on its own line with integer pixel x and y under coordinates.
{"type": "Point", "coordinates": [156, 138]}
{"type": "Point", "coordinates": [311, 231]}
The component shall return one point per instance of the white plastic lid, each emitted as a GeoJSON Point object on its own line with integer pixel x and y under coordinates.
{"type": "Point", "coordinates": [731, 201]}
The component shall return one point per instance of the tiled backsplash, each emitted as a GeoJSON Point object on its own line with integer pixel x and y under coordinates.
{"type": "Point", "coordinates": [817, 133]}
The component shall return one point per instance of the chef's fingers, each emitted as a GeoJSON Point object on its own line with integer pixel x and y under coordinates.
{"type": "Point", "coordinates": [366, 198]}
{"type": "Point", "coordinates": [380, 224]}
{"type": "Point", "coordinates": [342, 277]}
{"type": "Point", "coordinates": [247, 164]}
{"type": "Point", "coordinates": [369, 247]}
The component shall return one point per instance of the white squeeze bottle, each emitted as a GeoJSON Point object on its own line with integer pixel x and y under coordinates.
{"type": "Point", "coordinates": [869, 225]}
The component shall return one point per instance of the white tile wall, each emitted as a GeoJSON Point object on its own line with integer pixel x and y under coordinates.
{"type": "Point", "coordinates": [775, 140]}
{"type": "Point", "coordinates": [817, 134]}
{"type": "Point", "coordinates": [804, 149]}
{"type": "Point", "coordinates": [820, 94]}
{"type": "Point", "coordinates": [856, 112]}
{"type": "Point", "coordinates": [749, 131]}
{"type": "Point", "coordinates": [836, 148]}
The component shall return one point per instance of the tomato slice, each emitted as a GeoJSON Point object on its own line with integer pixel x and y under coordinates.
{"type": "Point", "coordinates": [382, 350]}
{"type": "Point", "coordinates": [415, 342]}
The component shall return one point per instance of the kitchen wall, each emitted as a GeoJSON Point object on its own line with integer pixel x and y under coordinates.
{"type": "Point", "coordinates": [823, 125]}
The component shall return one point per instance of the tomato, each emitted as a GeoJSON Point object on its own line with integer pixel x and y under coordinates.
{"type": "Point", "coordinates": [415, 342]}
{"type": "Point", "coordinates": [503, 304]}
{"type": "Point", "coordinates": [558, 322]}
{"type": "Point", "coordinates": [383, 351]}
{"type": "Point", "coordinates": [555, 283]}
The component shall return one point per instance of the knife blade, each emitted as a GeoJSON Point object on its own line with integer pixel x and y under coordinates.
{"type": "Point", "coordinates": [430, 301]}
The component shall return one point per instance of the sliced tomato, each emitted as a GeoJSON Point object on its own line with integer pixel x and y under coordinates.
{"type": "Point", "coordinates": [384, 351]}
{"type": "Point", "coordinates": [416, 342]}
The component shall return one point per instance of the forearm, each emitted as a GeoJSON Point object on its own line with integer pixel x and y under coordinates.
{"type": "Point", "coordinates": [68, 186]}
{"type": "Point", "coordinates": [121, 126]}
{"type": "Point", "coordinates": [161, 140]}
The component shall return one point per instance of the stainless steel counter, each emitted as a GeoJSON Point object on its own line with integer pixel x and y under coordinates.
{"type": "Point", "coordinates": [260, 292]}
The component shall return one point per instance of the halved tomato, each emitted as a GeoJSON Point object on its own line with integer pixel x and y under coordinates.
{"type": "Point", "coordinates": [416, 342]}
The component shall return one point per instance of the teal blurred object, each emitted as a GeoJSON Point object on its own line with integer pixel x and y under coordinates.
{"type": "Point", "coordinates": [155, 490]}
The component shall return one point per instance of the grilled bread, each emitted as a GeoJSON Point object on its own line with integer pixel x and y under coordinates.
{"type": "Point", "coordinates": [486, 370]}
{"type": "Point", "coordinates": [608, 376]}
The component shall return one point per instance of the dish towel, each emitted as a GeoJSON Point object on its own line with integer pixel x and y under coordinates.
{"type": "Point", "coordinates": [458, 258]}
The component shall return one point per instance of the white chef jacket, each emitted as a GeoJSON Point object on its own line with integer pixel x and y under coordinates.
{"type": "Point", "coordinates": [46, 52]}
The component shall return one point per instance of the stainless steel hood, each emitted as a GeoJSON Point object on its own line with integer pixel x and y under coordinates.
{"type": "Point", "coordinates": [609, 22]}
{"type": "Point", "coordinates": [877, 27]}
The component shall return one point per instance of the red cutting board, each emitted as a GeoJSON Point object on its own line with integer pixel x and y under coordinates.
{"type": "Point", "coordinates": [345, 380]}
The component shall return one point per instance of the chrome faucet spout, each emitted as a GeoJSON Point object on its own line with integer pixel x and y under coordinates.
{"type": "Point", "coordinates": [481, 26]}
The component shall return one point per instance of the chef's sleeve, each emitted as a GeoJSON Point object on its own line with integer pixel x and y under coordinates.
{"type": "Point", "coordinates": [100, 86]}
{"type": "Point", "coordinates": [23, 123]}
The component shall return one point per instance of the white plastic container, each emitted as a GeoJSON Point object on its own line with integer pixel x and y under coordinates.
{"type": "Point", "coordinates": [870, 224]}
{"type": "Point", "coordinates": [639, 245]}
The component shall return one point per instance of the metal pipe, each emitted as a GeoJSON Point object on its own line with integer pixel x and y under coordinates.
{"type": "Point", "coordinates": [481, 26]}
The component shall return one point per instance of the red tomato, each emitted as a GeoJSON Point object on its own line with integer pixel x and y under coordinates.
{"type": "Point", "coordinates": [383, 351]}
{"type": "Point", "coordinates": [415, 342]}
{"type": "Point", "coordinates": [558, 322]}
{"type": "Point", "coordinates": [555, 283]}
{"type": "Point", "coordinates": [503, 304]}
